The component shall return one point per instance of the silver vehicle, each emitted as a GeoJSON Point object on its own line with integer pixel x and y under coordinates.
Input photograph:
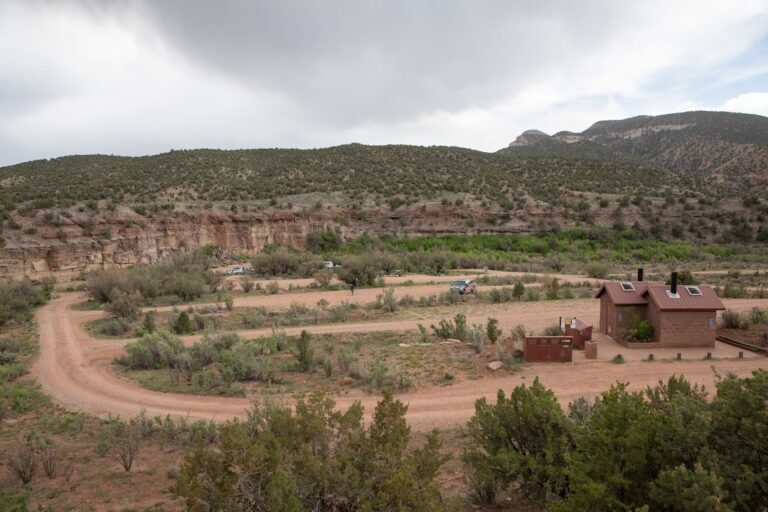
{"type": "Point", "coordinates": [464, 286]}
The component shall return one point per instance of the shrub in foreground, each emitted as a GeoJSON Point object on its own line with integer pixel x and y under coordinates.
{"type": "Point", "coordinates": [667, 448]}
{"type": "Point", "coordinates": [317, 458]}
{"type": "Point", "coordinates": [523, 438]}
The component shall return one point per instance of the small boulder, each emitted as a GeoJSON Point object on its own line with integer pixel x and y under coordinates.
{"type": "Point", "coordinates": [347, 381]}
{"type": "Point", "coordinates": [495, 365]}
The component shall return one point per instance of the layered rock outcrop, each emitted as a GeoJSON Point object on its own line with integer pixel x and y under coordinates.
{"type": "Point", "coordinates": [122, 239]}
{"type": "Point", "coordinates": [79, 242]}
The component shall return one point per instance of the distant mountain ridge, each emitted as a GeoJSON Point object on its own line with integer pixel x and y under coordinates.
{"type": "Point", "coordinates": [728, 147]}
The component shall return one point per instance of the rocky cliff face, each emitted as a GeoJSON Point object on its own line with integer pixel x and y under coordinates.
{"type": "Point", "coordinates": [74, 247]}
{"type": "Point", "coordinates": [77, 243]}
{"type": "Point", "coordinates": [530, 137]}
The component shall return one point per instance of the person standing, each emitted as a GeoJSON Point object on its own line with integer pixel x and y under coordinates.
{"type": "Point", "coordinates": [352, 285]}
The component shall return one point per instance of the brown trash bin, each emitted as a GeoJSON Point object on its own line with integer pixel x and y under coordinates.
{"type": "Point", "coordinates": [590, 350]}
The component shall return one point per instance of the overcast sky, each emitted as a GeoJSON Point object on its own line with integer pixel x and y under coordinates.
{"type": "Point", "coordinates": [143, 77]}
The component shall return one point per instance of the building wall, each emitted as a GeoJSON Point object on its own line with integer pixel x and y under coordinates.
{"type": "Point", "coordinates": [613, 318]}
{"type": "Point", "coordinates": [604, 307]}
{"type": "Point", "coordinates": [686, 328]}
{"type": "Point", "coordinates": [608, 312]}
{"type": "Point", "coordinates": [654, 318]}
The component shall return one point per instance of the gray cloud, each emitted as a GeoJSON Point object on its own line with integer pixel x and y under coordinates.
{"type": "Point", "coordinates": [382, 61]}
{"type": "Point", "coordinates": [135, 77]}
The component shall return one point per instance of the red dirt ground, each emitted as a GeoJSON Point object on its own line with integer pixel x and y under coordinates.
{"type": "Point", "coordinates": [75, 369]}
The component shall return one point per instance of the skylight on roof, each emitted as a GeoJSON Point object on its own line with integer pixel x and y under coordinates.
{"type": "Point", "coordinates": [627, 286]}
{"type": "Point", "coordinates": [693, 290]}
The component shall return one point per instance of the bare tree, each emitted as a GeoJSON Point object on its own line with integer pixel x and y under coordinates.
{"type": "Point", "coordinates": [126, 448]}
{"type": "Point", "coordinates": [69, 471]}
{"type": "Point", "coordinates": [47, 456]}
{"type": "Point", "coordinates": [23, 462]}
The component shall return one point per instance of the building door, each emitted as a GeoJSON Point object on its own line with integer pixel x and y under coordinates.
{"type": "Point", "coordinates": [604, 317]}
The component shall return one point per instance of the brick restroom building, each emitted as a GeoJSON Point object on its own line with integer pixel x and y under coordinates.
{"type": "Point", "coordinates": [681, 315]}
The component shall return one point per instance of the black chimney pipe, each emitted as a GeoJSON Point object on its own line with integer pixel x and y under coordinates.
{"type": "Point", "coordinates": [639, 275]}
{"type": "Point", "coordinates": [673, 286]}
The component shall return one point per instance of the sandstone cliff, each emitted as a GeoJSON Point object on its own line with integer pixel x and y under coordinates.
{"type": "Point", "coordinates": [78, 242]}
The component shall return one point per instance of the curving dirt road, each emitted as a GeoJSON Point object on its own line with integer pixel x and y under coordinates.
{"type": "Point", "coordinates": [75, 369]}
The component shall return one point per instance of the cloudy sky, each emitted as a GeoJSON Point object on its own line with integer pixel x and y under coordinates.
{"type": "Point", "coordinates": [142, 77]}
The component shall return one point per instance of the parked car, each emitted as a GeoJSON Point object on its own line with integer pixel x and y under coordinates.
{"type": "Point", "coordinates": [464, 286]}
{"type": "Point", "coordinates": [330, 264]}
{"type": "Point", "coordinates": [235, 271]}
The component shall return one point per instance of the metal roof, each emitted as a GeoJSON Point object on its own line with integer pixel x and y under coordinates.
{"type": "Point", "coordinates": [707, 301]}
{"type": "Point", "coordinates": [657, 292]}
{"type": "Point", "coordinates": [622, 297]}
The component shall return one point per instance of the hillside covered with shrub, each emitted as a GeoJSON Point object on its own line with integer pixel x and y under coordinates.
{"type": "Point", "coordinates": [74, 212]}
{"type": "Point", "coordinates": [722, 146]}
{"type": "Point", "coordinates": [361, 173]}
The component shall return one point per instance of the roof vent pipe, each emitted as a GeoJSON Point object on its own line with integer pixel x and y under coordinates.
{"type": "Point", "coordinates": [673, 284]}
{"type": "Point", "coordinates": [639, 275]}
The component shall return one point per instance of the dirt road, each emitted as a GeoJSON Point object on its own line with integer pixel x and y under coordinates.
{"type": "Point", "coordinates": [76, 371]}
{"type": "Point", "coordinates": [436, 286]}
{"type": "Point", "coordinates": [285, 284]}
{"type": "Point", "coordinates": [334, 297]}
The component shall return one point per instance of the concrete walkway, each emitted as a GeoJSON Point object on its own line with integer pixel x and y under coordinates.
{"type": "Point", "coordinates": [607, 349]}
